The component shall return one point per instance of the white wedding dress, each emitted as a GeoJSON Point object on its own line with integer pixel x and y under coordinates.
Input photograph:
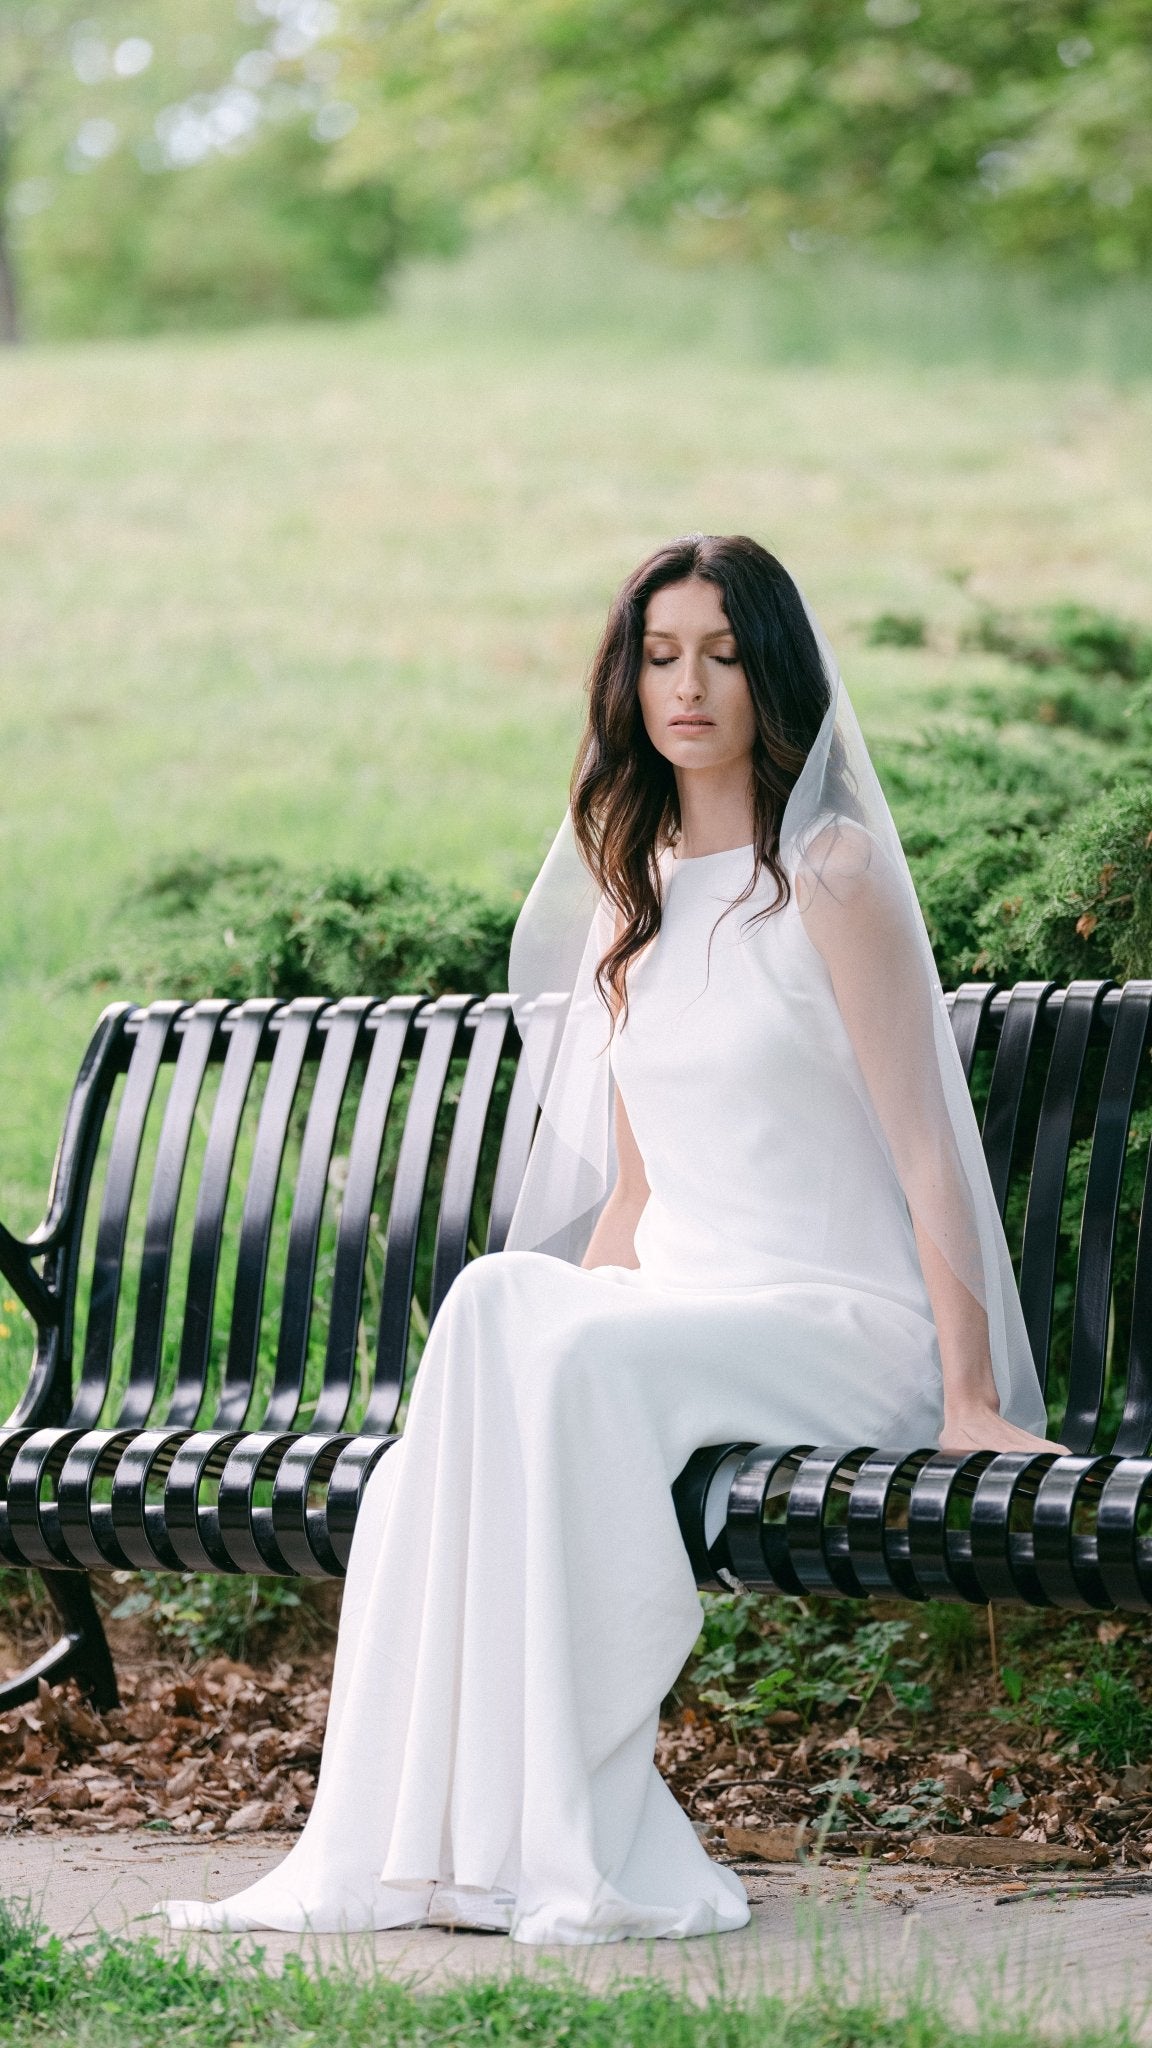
{"type": "Point", "coordinates": [519, 1600]}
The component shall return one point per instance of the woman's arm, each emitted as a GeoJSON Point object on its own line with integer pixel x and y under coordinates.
{"type": "Point", "coordinates": [612, 1241]}
{"type": "Point", "coordinates": [857, 919]}
{"type": "Point", "coordinates": [972, 1418]}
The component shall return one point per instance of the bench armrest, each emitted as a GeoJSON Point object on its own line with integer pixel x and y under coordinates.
{"type": "Point", "coordinates": [25, 1282]}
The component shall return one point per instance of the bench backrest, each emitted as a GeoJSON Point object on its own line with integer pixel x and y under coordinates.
{"type": "Point", "coordinates": [258, 1208]}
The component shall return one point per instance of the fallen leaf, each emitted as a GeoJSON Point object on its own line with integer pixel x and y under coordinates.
{"type": "Point", "coordinates": [991, 1852]}
{"type": "Point", "coordinates": [959, 1783]}
{"type": "Point", "coordinates": [248, 1818]}
{"type": "Point", "coordinates": [771, 1845]}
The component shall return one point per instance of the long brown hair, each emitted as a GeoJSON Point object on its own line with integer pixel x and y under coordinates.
{"type": "Point", "coordinates": [625, 805]}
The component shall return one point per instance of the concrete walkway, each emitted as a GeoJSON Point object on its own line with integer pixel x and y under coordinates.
{"type": "Point", "coordinates": [977, 1945]}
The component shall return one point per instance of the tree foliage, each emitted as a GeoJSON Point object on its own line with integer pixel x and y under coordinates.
{"type": "Point", "coordinates": [170, 162]}
{"type": "Point", "coordinates": [194, 161]}
{"type": "Point", "coordinates": [255, 927]}
{"type": "Point", "coordinates": [1021, 128]}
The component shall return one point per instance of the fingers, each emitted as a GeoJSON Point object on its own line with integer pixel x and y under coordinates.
{"type": "Point", "coordinates": [1006, 1439]}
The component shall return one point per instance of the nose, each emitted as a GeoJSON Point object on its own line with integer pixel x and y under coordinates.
{"type": "Point", "coordinates": [690, 682]}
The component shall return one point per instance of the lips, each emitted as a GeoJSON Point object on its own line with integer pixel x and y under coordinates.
{"type": "Point", "coordinates": [692, 724]}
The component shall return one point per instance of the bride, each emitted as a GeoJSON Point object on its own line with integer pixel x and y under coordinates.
{"type": "Point", "coordinates": [756, 1209]}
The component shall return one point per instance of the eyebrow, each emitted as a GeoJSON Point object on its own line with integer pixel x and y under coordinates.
{"type": "Point", "coordinates": [669, 633]}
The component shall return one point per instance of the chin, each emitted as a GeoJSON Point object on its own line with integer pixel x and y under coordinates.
{"type": "Point", "coordinates": [698, 754]}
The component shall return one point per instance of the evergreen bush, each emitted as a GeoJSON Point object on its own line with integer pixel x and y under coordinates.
{"type": "Point", "coordinates": [207, 926]}
{"type": "Point", "coordinates": [1071, 636]}
{"type": "Point", "coordinates": [1083, 906]}
{"type": "Point", "coordinates": [975, 809]}
{"type": "Point", "coordinates": [1026, 815]}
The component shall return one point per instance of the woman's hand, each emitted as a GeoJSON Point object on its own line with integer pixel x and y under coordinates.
{"type": "Point", "coordinates": [613, 1240]}
{"type": "Point", "coordinates": [983, 1428]}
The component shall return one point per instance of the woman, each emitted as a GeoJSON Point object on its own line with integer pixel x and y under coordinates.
{"type": "Point", "coordinates": [756, 1209]}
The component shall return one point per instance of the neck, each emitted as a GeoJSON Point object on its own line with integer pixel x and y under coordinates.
{"type": "Point", "coordinates": [716, 810]}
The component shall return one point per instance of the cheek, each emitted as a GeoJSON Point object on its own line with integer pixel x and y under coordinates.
{"type": "Point", "coordinates": [739, 718]}
{"type": "Point", "coordinates": [648, 698]}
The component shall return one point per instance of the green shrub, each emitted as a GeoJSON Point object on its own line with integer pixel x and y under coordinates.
{"type": "Point", "coordinates": [758, 1654]}
{"type": "Point", "coordinates": [213, 926]}
{"type": "Point", "coordinates": [898, 629]}
{"type": "Point", "coordinates": [209, 1616]}
{"type": "Point", "coordinates": [1083, 668]}
{"type": "Point", "coordinates": [1082, 906]}
{"type": "Point", "coordinates": [1029, 856]}
{"type": "Point", "coordinates": [1101, 707]}
{"type": "Point", "coordinates": [1102, 1712]}
{"type": "Point", "coordinates": [974, 809]}
{"type": "Point", "coordinates": [1072, 636]}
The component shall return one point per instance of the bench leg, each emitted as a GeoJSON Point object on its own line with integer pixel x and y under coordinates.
{"type": "Point", "coordinates": [81, 1653]}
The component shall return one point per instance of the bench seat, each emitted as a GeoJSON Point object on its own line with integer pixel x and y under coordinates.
{"type": "Point", "coordinates": [257, 1208]}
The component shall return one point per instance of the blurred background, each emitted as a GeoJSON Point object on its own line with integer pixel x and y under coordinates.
{"type": "Point", "coordinates": [354, 352]}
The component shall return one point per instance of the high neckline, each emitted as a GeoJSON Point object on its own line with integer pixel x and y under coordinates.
{"type": "Point", "coordinates": [695, 860]}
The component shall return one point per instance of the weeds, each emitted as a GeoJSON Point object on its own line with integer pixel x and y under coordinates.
{"type": "Point", "coordinates": [952, 1634]}
{"type": "Point", "coordinates": [207, 1616]}
{"type": "Point", "coordinates": [1102, 1712]}
{"type": "Point", "coordinates": [116, 1994]}
{"type": "Point", "coordinates": [760, 1658]}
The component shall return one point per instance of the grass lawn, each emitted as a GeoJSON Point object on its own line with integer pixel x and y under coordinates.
{"type": "Point", "coordinates": [330, 591]}
{"type": "Point", "coordinates": [111, 1993]}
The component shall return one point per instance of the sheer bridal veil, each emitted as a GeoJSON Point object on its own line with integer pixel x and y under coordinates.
{"type": "Point", "coordinates": [842, 853]}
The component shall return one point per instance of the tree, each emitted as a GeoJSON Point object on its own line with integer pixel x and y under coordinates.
{"type": "Point", "coordinates": [11, 326]}
{"type": "Point", "coordinates": [31, 40]}
{"type": "Point", "coordinates": [1021, 128]}
{"type": "Point", "coordinates": [173, 166]}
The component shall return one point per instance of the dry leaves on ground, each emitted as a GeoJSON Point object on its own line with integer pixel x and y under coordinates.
{"type": "Point", "coordinates": [220, 1750]}
{"type": "Point", "coordinates": [887, 1791]}
{"type": "Point", "coordinates": [227, 1748]}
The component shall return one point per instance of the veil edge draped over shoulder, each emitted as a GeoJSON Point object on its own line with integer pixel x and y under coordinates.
{"type": "Point", "coordinates": [843, 856]}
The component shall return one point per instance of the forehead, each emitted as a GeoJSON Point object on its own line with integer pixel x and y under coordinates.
{"type": "Point", "coordinates": [693, 606]}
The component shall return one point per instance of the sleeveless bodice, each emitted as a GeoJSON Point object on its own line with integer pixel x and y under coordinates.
{"type": "Point", "coordinates": [746, 1101]}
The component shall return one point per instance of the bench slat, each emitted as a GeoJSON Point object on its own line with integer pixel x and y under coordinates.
{"type": "Point", "coordinates": [1130, 1031]}
{"type": "Point", "coordinates": [391, 1026]}
{"type": "Point", "coordinates": [201, 1027]}
{"type": "Point", "coordinates": [490, 1029]}
{"type": "Point", "coordinates": [1134, 1435]}
{"type": "Point", "coordinates": [443, 1026]}
{"type": "Point", "coordinates": [247, 1030]}
{"type": "Point", "coordinates": [1014, 1055]}
{"type": "Point", "coordinates": [343, 1027]}
{"type": "Point", "coordinates": [1081, 1011]}
{"type": "Point", "coordinates": [119, 1182]}
{"type": "Point", "coordinates": [543, 1026]}
{"type": "Point", "coordinates": [969, 1008]}
{"type": "Point", "coordinates": [295, 1024]}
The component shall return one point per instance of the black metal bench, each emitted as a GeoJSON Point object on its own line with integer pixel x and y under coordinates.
{"type": "Point", "coordinates": [257, 1209]}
